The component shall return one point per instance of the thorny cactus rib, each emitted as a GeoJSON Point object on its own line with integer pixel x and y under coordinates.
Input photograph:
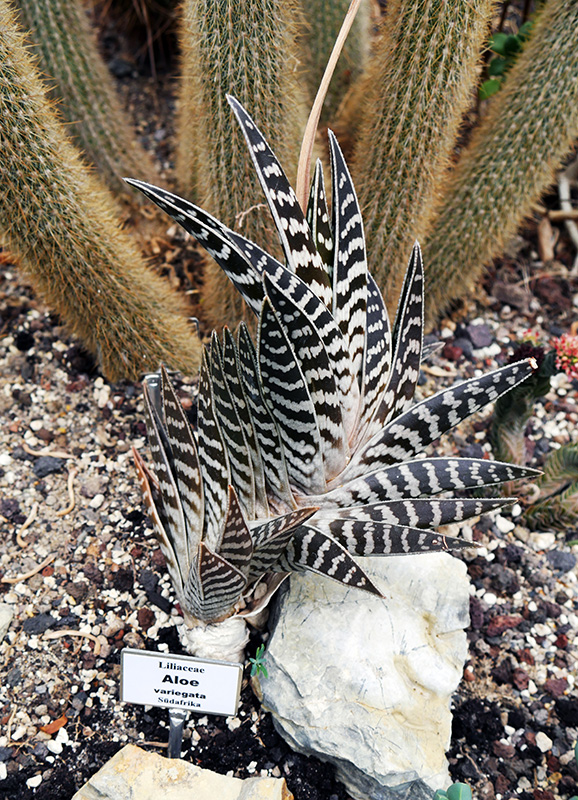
{"type": "Point", "coordinates": [61, 223]}
{"type": "Point", "coordinates": [414, 95]}
{"type": "Point", "coordinates": [324, 19]}
{"type": "Point", "coordinates": [247, 49]}
{"type": "Point", "coordinates": [69, 57]}
{"type": "Point", "coordinates": [511, 159]}
{"type": "Point", "coordinates": [306, 451]}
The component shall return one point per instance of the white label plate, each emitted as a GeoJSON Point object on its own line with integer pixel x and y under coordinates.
{"type": "Point", "coordinates": [191, 684]}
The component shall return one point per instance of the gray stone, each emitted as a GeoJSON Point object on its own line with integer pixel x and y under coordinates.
{"type": "Point", "coordinates": [561, 560]}
{"type": "Point", "coordinates": [365, 682]}
{"type": "Point", "coordinates": [133, 773]}
{"type": "Point", "coordinates": [46, 465]}
{"type": "Point", "coordinates": [39, 623]}
{"type": "Point", "coordinates": [480, 335]}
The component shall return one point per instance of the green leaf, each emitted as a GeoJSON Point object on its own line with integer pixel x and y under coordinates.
{"type": "Point", "coordinates": [498, 42]}
{"type": "Point", "coordinates": [525, 30]}
{"type": "Point", "coordinates": [440, 795]}
{"type": "Point", "coordinates": [459, 791]}
{"type": "Point", "coordinates": [512, 45]}
{"type": "Point", "coordinates": [488, 88]}
{"type": "Point", "coordinates": [497, 66]}
{"type": "Point", "coordinates": [576, 752]}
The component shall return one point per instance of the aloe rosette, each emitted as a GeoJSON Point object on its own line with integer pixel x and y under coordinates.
{"type": "Point", "coordinates": [307, 449]}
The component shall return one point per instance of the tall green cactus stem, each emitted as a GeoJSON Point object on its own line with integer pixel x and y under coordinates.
{"type": "Point", "coordinates": [78, 77]}
{"type": "Point", "coordinates": [324, 19]}
{"type": "Point", "coordinates": [418, 86]}
{"type": "Point", "coordinates": [60, 223]}
{"type": "Point", "coordinates": [247, 49]}
{"type": "Point", "coordinates": [531, 125]}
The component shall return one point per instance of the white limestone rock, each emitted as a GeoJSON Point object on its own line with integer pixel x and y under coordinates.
{"type": "Point", "coordinates": [366, 683]}
{"type": "Point", "coordinates": [133, 773]}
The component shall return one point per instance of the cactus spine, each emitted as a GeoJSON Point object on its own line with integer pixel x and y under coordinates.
{"type": "Point", "coordinates": [417, 88]}
{"type": "Point", "coordinates": [59, 221]}
{"type": "Point", "coordinates": [324, 19]}
{"type": "Point", "coordinates": [66, 47]}
{"type": "Point", "coordinates": [511, 160]}
{"type": "Point", "coordinates": [246, 49]}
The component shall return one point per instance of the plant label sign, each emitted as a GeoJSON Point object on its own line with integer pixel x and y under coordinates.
{"type": "Point", "coordinates": [184, 682]}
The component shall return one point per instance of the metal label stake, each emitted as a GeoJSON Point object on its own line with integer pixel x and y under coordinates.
{"type": "Point", "coordinates": [186, 683]}
{"type": "Point", "coordinates": [177, 719]}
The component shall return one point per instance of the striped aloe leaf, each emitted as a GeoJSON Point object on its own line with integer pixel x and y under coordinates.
{"type": "Point", "coordinates": [308, 450]}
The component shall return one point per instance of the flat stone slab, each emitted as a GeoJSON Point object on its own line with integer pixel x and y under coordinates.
{"type": "Point", "coordinates": [135, 774]}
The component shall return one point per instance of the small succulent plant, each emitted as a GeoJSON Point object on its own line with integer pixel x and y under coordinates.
{"type": "Point", "coordinates": [258, 667]}
{"type": "Point", "coordinates": [552, 503]}
{"type": "Point", "coordinates": [457, 791]}
{"type": "Point", "coordinates": [307, 450]}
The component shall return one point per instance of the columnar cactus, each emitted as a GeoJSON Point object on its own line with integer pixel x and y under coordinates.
{"type": "Point", "coordinates": [418, 86]}
{"type": "Point", "coordinates": [323, 22]}
{"type": "Point", "coordinates": [79, 80]}
{"type": "Point", "coordinates": [59, 221]}
{"type": "Point", "coordinates": [247, 49]}
{"type": "Point", "coordinates": [511, 160]}
{"type": "Point", "coordinates": [307, 450]}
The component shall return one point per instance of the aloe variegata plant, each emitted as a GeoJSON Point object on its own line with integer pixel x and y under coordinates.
{"type": "Point", "coordinates": [307, 450]}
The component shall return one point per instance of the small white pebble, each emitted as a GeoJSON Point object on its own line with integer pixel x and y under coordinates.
{"type": "Point", "coordinates": [3, 771]}
{"type": "Point", "coordinates": [503, 524]}
{"type": "Point", "coordinates": [540, 629]}
{"type": "Point", "coordinates": [97, 501]}
{"type": "Point", "coordinates": [490, 599]}
{"type": "Point", "coordinates": [233, 723]}
{"type": "Point", "coordinates": [567, 758]}
{"type": "Point", "coordinates": [572, 620]}
{"type": "Point", "coordinates": [54, 747]}
{"type": "Point", "coordinates": [543, 742]}
{"type": "Point", "coordinates": [19, 732]}
{"type": "Point", "coordinates": [542, 541]}
{"type": "Point", "coordinates": [532, 606]}
{"type": "Point", "coordinates": [102, 396]}
{"type": "Point", "coordinates": [32, 783]}
{"type": "Point", "coordinates": [36, 424]}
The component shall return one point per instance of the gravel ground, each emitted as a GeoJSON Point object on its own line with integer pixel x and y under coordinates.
{"type": "Point", "coordinates": [96, 583]}
{"type": "Point", "coordinates": [73, 522]}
